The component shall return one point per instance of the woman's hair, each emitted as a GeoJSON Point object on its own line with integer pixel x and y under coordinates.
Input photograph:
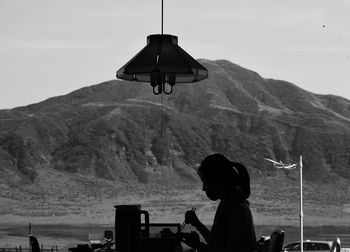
{"type": "Point", "coordinates": [218, 168]}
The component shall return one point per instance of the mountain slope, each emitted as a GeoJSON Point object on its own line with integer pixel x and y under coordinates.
{"type": "Point", "coordinates": [121, 132]}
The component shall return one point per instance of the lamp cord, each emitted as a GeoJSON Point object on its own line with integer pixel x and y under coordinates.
{"type": "Point", "coordinates": [162, 17]}
{"type": "Point", "coordinates": [161, 95]}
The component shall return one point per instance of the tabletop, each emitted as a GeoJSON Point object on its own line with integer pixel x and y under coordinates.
{"type": "Point", "coordinates": [185, 248]}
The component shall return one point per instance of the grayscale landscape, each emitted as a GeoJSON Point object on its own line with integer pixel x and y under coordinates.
{"type": "Point", "coordinates": [66, 161]}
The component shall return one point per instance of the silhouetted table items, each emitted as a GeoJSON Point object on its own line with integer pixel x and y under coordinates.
{"type": "Point", "coordinates": [134, 235]}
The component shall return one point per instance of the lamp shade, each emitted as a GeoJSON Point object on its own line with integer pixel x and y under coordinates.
{"type": "Point", "coordinates": [162, 62]}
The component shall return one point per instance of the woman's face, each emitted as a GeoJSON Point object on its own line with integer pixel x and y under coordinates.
{"type": "Point", "coordinates": [212, 189]}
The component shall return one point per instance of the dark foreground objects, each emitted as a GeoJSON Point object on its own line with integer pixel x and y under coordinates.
{"type": "Point", "coordinates": [233, 227]}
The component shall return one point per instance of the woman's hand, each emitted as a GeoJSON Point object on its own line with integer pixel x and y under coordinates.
{"type": "Point", "coordinates": [192, 219]}
{"type": "Point", "coordinates": [191, 239]}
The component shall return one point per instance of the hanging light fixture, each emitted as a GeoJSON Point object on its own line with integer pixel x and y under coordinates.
{"type": "Point", "coordinates": [162, 63]}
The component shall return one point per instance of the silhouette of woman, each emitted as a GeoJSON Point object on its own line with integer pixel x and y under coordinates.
{"type": "Point", "coordinates": [233, 227]}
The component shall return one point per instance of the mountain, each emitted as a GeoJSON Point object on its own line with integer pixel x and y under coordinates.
{"type": "Point", "coordinates": [119, 131]}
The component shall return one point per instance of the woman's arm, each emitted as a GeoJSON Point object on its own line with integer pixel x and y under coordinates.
{"type": "Point", "coordinates": [191, 218]}
{"type": "Point", "coordinates": [204, 231]}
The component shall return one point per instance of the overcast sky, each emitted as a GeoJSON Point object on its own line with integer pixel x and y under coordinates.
{"type": "Point", "coordinates": [50, 48]}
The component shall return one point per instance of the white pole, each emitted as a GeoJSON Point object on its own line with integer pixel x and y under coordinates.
{"type": "Point", "coordinates": [301, 204]}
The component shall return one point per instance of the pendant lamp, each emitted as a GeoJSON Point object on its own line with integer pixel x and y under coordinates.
{"type": "Point", "coordinates": [162, 63]}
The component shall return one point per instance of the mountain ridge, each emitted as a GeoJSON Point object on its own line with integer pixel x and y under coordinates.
{"type": "Point", "coordinates": [120, 131]}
